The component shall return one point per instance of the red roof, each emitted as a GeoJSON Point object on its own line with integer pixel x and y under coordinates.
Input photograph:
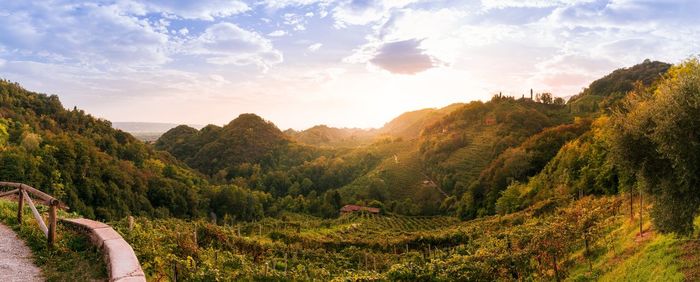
{"type": "Point", "coordinates": [354, 208]}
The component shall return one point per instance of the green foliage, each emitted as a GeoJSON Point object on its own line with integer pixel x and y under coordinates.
{"type": "Point", "coordinates": [409, 125]}
{"type": "Point", "coordinates": [4, 135]}
{"type": "Point", "coordinates": [73, 257]}
{"type": "Point", "coordinates": [655, 262]}
{"type": "Point", "coordinates": [581, 167]}
{"type": "Point", "coordinates": [93, 168]}
{"type": "Point", "coordinates": [655, 136]}
{"type": "Point", "coordinates": [456, 149]}
{"type": "Point", "coordinates": [247, 138]}
{"type": "Point", "coordinates": [525, 160]}
{"type": "Point", "coordinates": [606, 92]}
{"type": "Point", "coordinates": [322, 135]}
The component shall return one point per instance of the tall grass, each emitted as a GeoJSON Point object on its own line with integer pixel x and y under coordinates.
{"type": "Point", "coordinates": [72, 259]}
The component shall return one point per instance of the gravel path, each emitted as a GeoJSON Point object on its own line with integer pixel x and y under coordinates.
{"type": "Point", "coordinates": [16, 258]}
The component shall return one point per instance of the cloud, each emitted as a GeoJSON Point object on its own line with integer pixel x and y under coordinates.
{"type": "Point", "coordinates": [314, 47]}
{"type": "Point", "coordinates": [403, 57]}
{"type": "Point", "coordinates": [502, 4]}
{"type": "Point", "coordinates": [279, 4]}
{"type": "Point", "coordinates": [362, 12]}
{"type": "Point", "coordinates": [226, 43]}
{"type": "Point", "coordinates": [207, 10]}
{"type": "Point", "coordinates": [277, 33]}
{"type": "Point", "coordinates": [297, 22]}
{"type": "Point", "coordinates": [87, 34]}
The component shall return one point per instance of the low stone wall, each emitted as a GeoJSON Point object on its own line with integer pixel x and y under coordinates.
{"type": "Point", "coordinates": [122, 263]}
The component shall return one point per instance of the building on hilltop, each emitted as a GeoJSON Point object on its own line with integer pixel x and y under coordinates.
{"type": "Point", "coordinates": [355, 208]}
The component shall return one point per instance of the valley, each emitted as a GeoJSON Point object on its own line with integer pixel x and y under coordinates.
{"type": "Point", "coordinates": [506, 189]}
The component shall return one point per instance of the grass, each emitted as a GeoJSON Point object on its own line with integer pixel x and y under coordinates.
{"type": "Point", "coordinates": [73, 257]}
{"type": "Point", "coordinates": [400, 170]}
{"type": "Point", "coordinates": [656, 261]}
{"type": "Point", "coordinates": [469, 161]}
{"type": "Point", "coordinates": [623, 255]}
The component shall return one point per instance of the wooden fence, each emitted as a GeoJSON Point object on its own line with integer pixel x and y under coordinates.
{"type": "Point", "coordinates": [23, 191]}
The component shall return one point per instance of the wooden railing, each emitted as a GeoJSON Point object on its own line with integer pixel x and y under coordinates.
{"type": "Point", "coordinates": [22, 190]}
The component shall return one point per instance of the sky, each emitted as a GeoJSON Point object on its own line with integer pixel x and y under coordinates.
{"type": "Point", "coordinates": [345, 63]}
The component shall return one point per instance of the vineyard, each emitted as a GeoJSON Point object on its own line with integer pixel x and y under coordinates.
{"type": "Point", "coordinates": [365, 247]}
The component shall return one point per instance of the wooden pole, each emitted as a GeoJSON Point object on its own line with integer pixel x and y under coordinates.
{"type": "Point", "coordinates": [641, 207]}
{"type": "Point", "coordinates": [131, 223]}
{"type": "Point", "coordinates": [52, 223]}
{"type": "Point", "coordinates": [3, 194]}
{"type": "Point", "coordinates": [37, 216]}
{"type": "Point", "coordinates": [20, 206]}
{"type": "Point", "coordinates": [175, 272]}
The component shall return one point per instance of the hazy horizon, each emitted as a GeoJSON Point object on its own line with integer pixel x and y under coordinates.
{"type": "Point", "coordinates": [300, 63]}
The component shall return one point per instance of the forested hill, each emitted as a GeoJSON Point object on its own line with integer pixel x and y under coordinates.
{"type": "Point", "coordinates": [323, 135]}
{"type": "Point", "coordinates": [610, 89]}
{"type": "Point", "coordinates": [406, 126]}
{"type": "Point", "coordinates": [96, 170]}
{"type": "Point", "coordinates": [538, 184]}
{"type": "Point", "coordinates": [247, 138]}
{"type": "Point", "coordinates": [409, 125]}
{"type": "Point", "coordinates": [458, 160]}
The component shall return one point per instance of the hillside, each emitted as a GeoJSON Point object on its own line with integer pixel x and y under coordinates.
{"type": "Point", "coordinates": [98, 171]}
{"type": "Point", "coordinates": [147, 131]}
{"type": "Point", "coordinates": [608, 90]}
{"type": "Point", "coordinates": [409, 125]}
{"type": "Point", "coordinates": [406, 126]}
{"type": "Point", "coordinates": [508, 189]}
{"type": "Point", "coordinates": [323, 135]}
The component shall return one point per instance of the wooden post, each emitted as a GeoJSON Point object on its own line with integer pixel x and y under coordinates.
{"type": "Point", "coordinates": [37, 216]}
{"type": "Point", "coordinates": [196, 242]}
{"type": "Point", "coordinates": [175, 272]}
{"type": "Point", "coordinates": [52, 223]}
{"type": "Point", "coordinates": [131, 223]}
{"type": "Point", "coordinates": [641, 209]}
{"type": "Point", "coordinates": [20, 205]}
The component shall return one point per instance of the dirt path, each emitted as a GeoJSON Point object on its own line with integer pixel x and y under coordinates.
{"type": "Point", "coordinates": [16, 258]}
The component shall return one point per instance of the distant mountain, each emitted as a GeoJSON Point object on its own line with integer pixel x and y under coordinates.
{"type": "Point", "coordinates": [407, 126]}
{"type": "Point", "coordinates": [148, 131]}
{"type": "Point", "coordinates": [246, 139]}
{"type": "Point", "coordinates": [323, 135]}
{"type": "Point", "coordinates": [410, 124]}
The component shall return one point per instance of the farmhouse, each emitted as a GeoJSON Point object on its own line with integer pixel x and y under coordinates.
{"type": "Point", "coordinates": [355, 208]}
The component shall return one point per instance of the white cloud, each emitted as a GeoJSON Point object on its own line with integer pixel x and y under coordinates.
{"type": "Point", "coordinates": [350, 12]}
{"type": "Point", "coordinates": [297, 22]}
{"type": "Point", "coordinates": [501, 4]}
{"type": "Point", "coordinates": [277, 33]}
{"type": "Point", "coordinates": [279, 4]}
{"type": "Point", "coordinates": [95, 36]}
{"type": "Point", "coordinates": [314, 47]}
{"type": "Point", "coordinates": [198, 10]}
{"type": "Point", "coordinates": [227, 43]}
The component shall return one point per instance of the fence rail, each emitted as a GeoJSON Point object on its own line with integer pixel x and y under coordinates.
{"type": "Point", "coordinates": [23, 192]}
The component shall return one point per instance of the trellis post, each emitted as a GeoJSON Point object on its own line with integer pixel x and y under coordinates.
{"type": "Point", "coordinates": [20, 206]}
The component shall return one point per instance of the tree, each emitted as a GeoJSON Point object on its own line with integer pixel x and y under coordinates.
{"type": "Point", "coordinates": [559, 101]}
{"type": "Point", "coordinates": [544, 98]}
{"type": "Point", "coordinates": [656, 136]}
